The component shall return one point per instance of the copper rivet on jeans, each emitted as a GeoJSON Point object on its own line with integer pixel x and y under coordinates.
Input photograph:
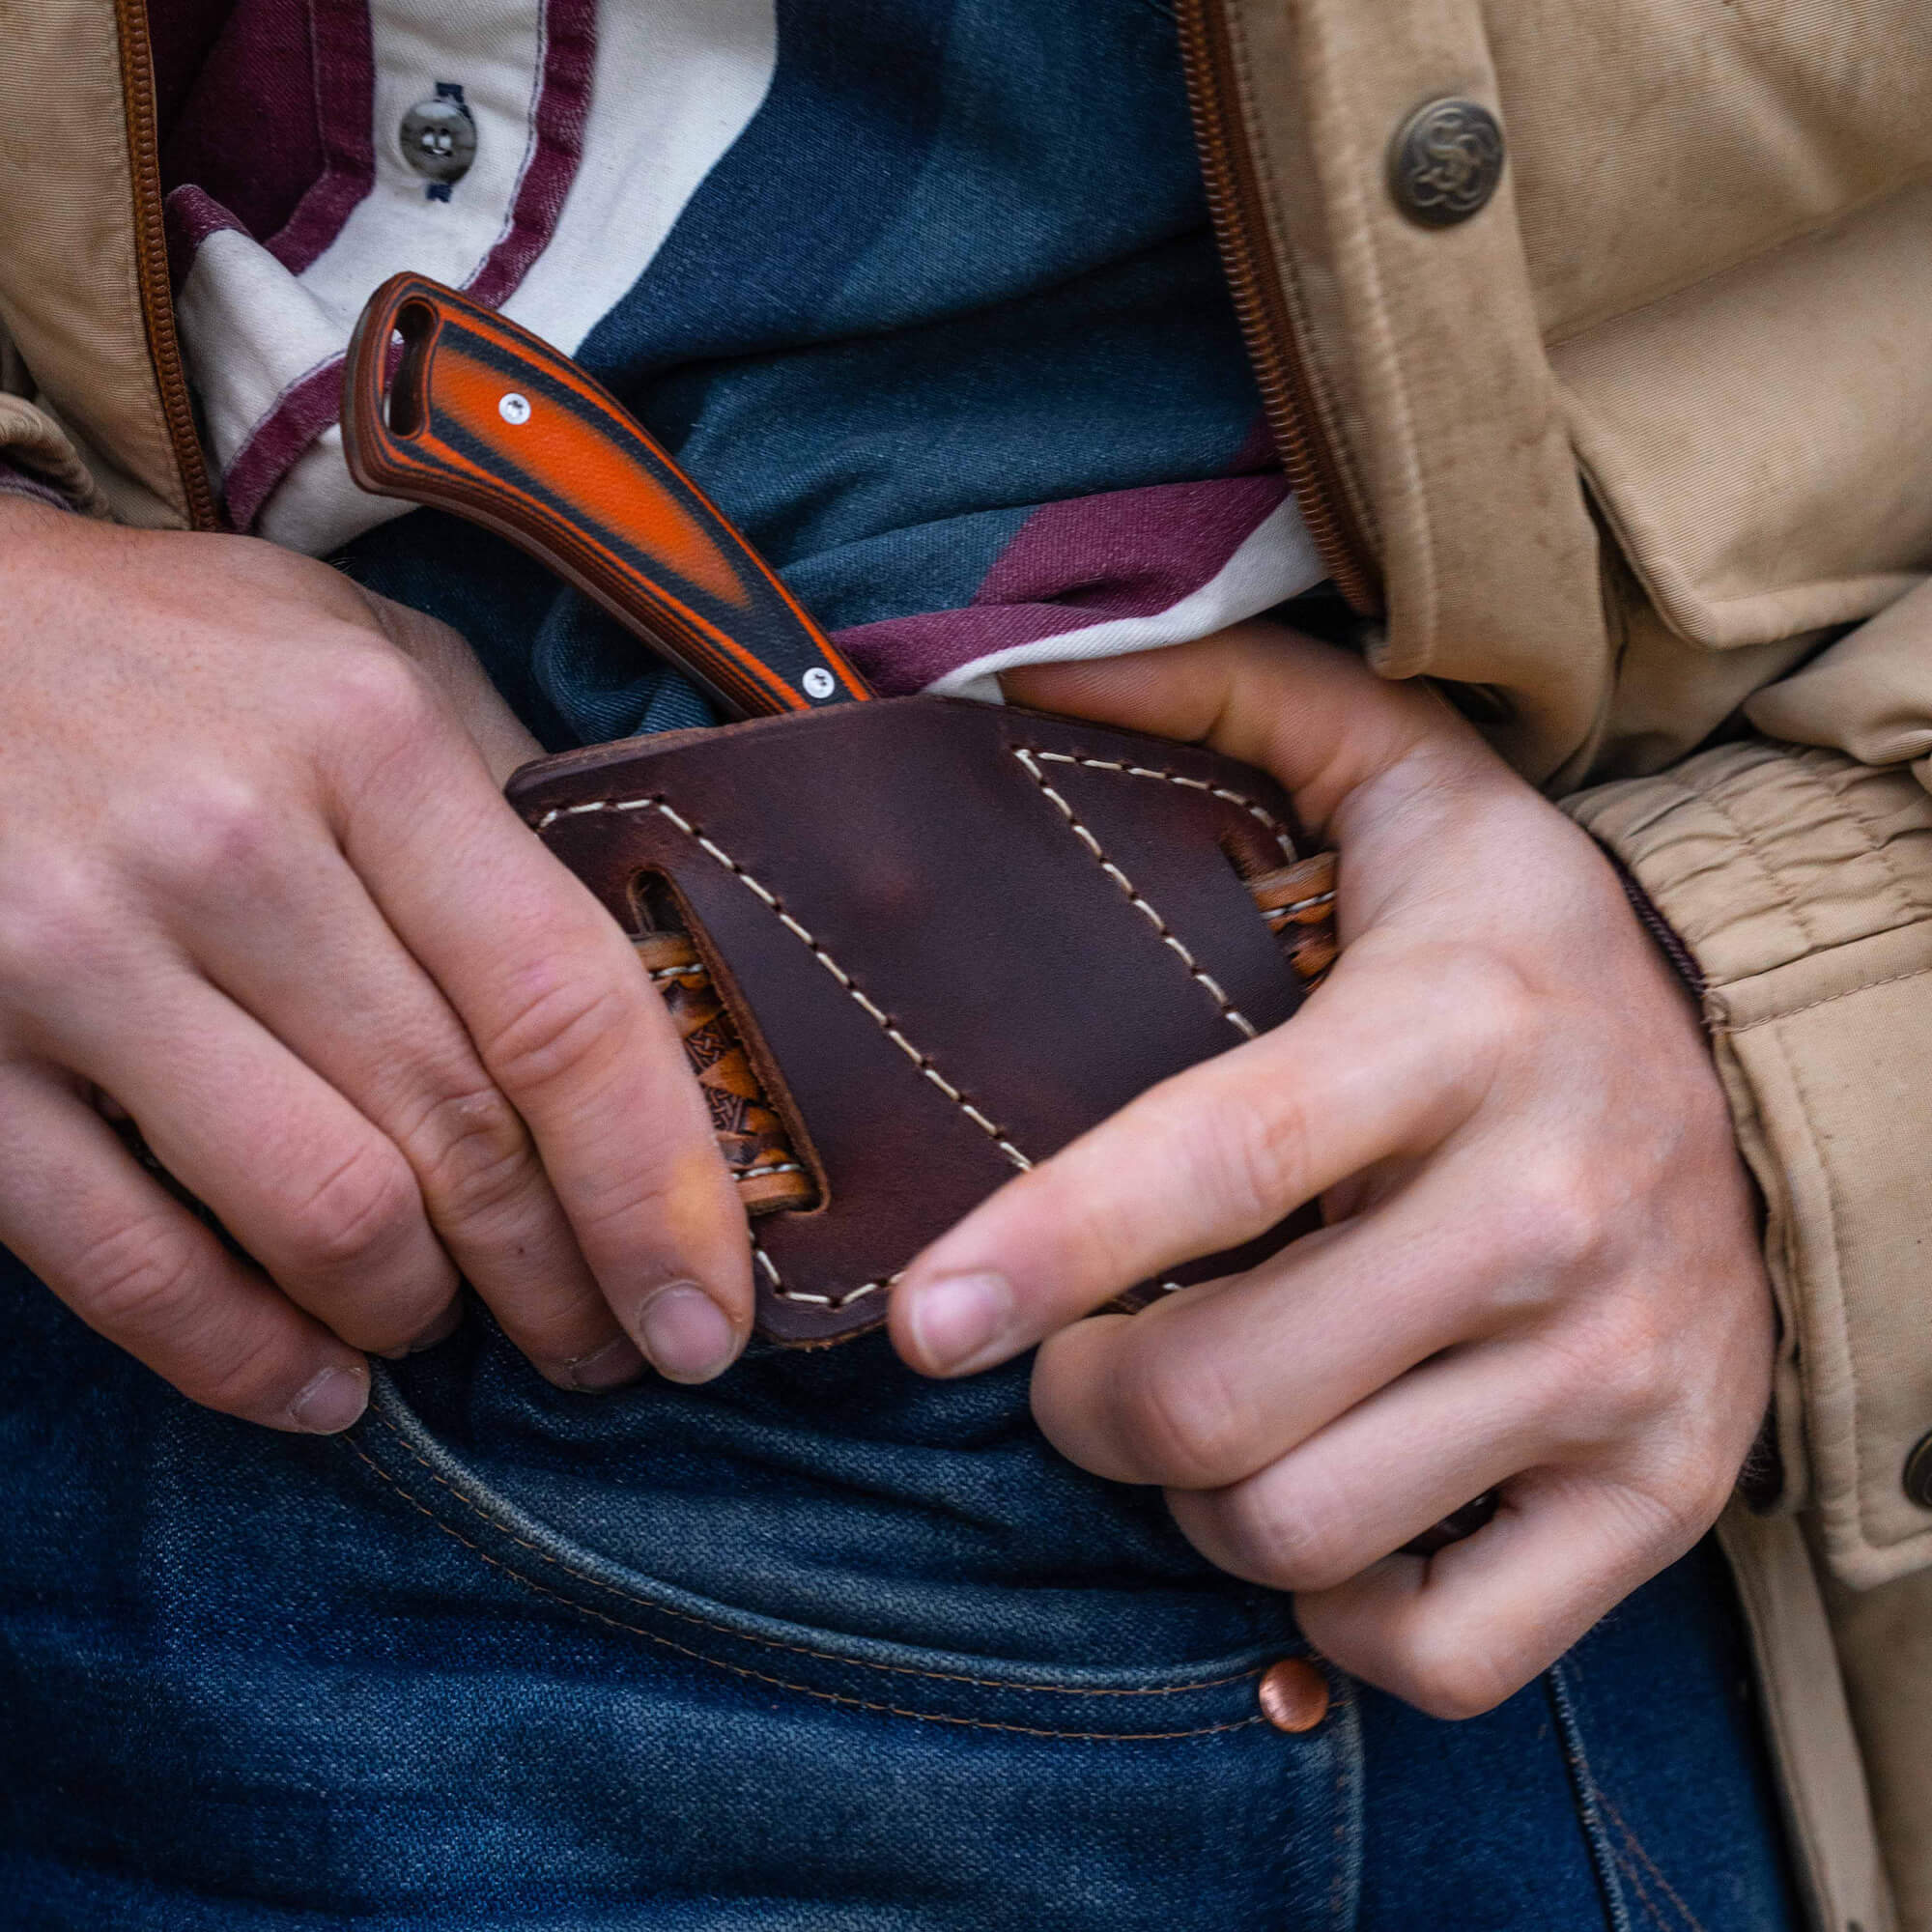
{"type": "Point", "coordinates": [1293, 1694]}
{"type": "Point", "coordinates": [1918, 1473]}
{"type": "Point", "coordinates": [1445, 162]}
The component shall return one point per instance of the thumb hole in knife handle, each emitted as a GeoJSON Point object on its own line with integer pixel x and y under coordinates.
{"type": "Point", "coordinates": [760, 1132]}
{"type": "Point", "coordinates": [406, 407]}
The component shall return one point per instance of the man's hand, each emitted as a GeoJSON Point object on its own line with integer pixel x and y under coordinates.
{"type": "Point", "coordinates": [1540, 1271]}
{"type": "Point", "coordinates": [259, 890]}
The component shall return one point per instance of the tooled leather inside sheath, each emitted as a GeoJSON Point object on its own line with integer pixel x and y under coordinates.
{"type": "Point", "coordinates": [964, 934]}
{"type": "Point", "coordinates": [752, 1137]}
{"type": "Point", "coordinates": [1297, 902]}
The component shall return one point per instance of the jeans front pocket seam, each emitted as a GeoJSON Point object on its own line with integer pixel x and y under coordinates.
{"type": "Point", "coordinates": [1602, 1855]}
{"type": "Point", "coordinates": [559, 1597]}
{"type": "Point", "coordinates": [1634, 1868]}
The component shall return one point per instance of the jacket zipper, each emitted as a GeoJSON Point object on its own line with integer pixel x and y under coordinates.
{"type": "Point", "coordinates": [1237, 206]}
{"type": "Point", "coordinates": [151, 262]}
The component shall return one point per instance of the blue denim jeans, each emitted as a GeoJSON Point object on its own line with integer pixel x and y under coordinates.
{"type": "Point", "coordinates": [822, 1646]}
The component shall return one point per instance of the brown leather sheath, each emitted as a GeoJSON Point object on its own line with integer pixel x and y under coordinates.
{"type": "Point", "coordinates": [922, 944]}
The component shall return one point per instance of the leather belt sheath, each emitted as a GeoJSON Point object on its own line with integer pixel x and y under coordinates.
{"type": "Point", "coordinates": [913, 946]}
{"type": "Point", "coordinates": [919, 944]}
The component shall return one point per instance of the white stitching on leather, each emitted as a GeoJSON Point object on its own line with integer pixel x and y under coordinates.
{"type": "Point", "coordinates": [881, 1019]}
{"type": "Point", "coordinates": [830, 1303]}
{"type": "Point", "coordinates": [834, 1304]}
{"type": "Point", "coordinates": [1280, 915]}
{"type": "Point", "coordinates": [1199, 974]}
{"type": "Point", "coordinates": [1276, 830]}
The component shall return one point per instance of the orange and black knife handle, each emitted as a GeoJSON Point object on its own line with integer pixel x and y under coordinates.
{"type": "Point", "coordinates": [482, 418]}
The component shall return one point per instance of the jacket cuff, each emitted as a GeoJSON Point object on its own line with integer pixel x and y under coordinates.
{"type": "Point", "coordinates": [38, 459]}
{"type": "Point", "coordinates": [1800, 883]}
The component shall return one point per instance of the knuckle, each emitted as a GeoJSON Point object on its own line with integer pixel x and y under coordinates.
{"type": "Point", "coordinates": [353, 1213]}
{"type": "Point", "coordinates": [1477, 996]}
{"type": "Point", "coordinates": [249, 1380]}
{"type": "Point", "coordinates": [478, 1155]}
{"type": "Point", "coordinates": [1260, 1157]}
{"type": "Point", "coordinates": [1295, 1537]}
{"type": "Point", "coordinates": [1455, 1676]}
{"type": "Point", "coordinates": [1494, 988]}
{"type": "Point", "coordinates": [1555, 1216]}
{"type": "Point", "coordinates": [562, 1025]}
{"type": "Point", "coordinates": [1606, 1370]}
{"type": "Point", "coordinates": [1687, 1480]}
{"type": "Point", "coordinates": [1186, 1425]}
{"type": "Point", "coordinates": [137, 1279]}
{"type": "Point", "coordinates": [54, 917]}
{"type": "Point", "coordinates": [219, 837]}
{"type": "Point", "coordinates": [369, 700]}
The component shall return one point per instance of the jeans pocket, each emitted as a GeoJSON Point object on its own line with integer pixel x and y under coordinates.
{"type": "Point", "coordinates": [749, 1755]}
{"type": "Point", "coordinates": [1140, 1702]}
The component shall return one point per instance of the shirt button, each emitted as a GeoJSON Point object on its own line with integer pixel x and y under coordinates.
{"type": "Point", "coordinates": [439, 138]}
{"type": "Point", "coordinates": [1293, 1694]}
{"type": "Point", "coordinates": [1445, 162]}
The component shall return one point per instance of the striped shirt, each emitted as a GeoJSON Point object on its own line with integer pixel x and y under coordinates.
{"type": "Point", "coordinates": [920, 292]}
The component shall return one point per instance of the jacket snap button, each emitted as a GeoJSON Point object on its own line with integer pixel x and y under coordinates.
{"type": "Point", "coordinates": [1918, 1473]}
{"type": "Point", "coordinates": [1293, 1694]}
{"type": "Point", "coordinates": [1445, 162]}
{"type": "Point", "coordinates": [439, 138]}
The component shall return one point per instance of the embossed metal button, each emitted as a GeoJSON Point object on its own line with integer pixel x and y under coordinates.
{"type": "Point", "coordinates": [1445, 162]}
{"type": "Point", "coordinates": [1918, 1473]}
{"type": "Point", "coordinates": [439, 138]}
{"type": "Point", "coordinates": [1293, 1694]}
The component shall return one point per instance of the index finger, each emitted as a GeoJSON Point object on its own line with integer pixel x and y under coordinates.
{"type": "Point", "coordinates": [572, 1033]}
{"type": "Point", "coordinates": [1382, 1060]}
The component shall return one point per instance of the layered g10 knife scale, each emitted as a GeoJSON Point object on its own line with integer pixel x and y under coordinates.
{"type": "Point", "coordinates": [446, 403]}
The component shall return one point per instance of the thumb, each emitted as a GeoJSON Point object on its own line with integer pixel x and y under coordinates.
{"type": "Point", "coordinates": [1315, 717]}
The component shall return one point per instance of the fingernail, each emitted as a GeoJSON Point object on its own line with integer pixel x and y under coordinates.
{"type": "Point", "coordinates": [686, 1333]}
{"type": "Point", "coordinates": [610, 1367]}
{"type": "Point", "coordinates": [331, 1401]}
{"type": "Point", "coordinates": [958, 1317]}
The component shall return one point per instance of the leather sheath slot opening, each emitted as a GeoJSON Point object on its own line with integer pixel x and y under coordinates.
{"type": "Point", "coordinates": [408, 390]}
{"type": "Point", "coordinates": [758, 1125]}
{"type": "Point", "coordinates": [654, 906]}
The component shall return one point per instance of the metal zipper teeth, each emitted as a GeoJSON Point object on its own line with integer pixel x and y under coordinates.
{"type": "Point", "coordinates": [1234, 204]}
{"type": "Point", "coordinates": [150, 261]}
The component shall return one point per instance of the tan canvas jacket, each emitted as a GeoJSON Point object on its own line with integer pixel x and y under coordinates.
{"type": "Point", "coordinates": [1637, 452]}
